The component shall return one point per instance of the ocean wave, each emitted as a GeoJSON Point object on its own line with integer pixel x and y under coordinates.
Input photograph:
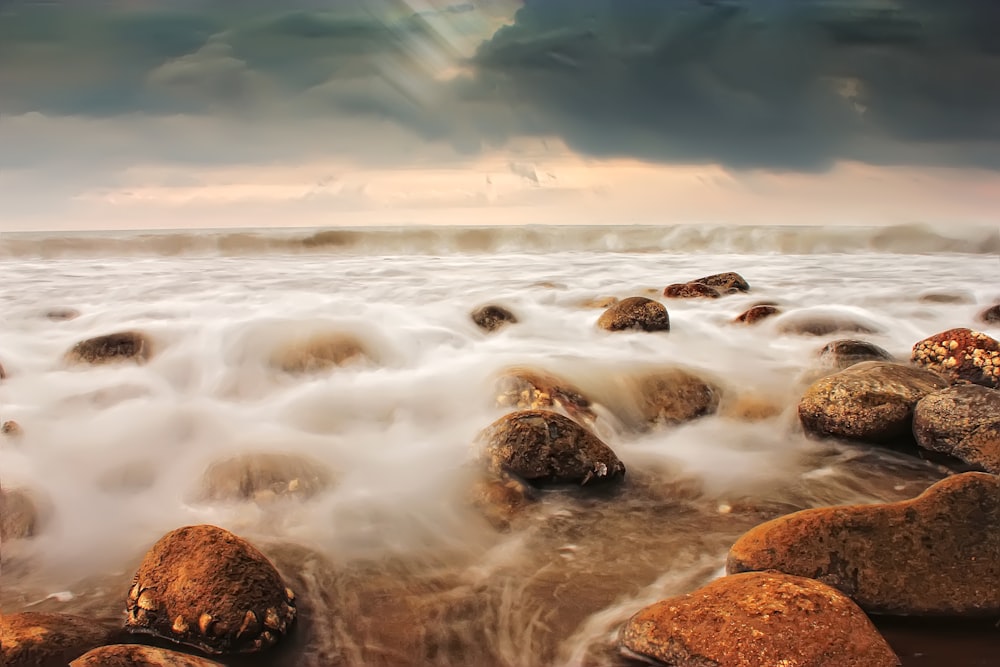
{"type": "Point", "coordinates": [681, 239]}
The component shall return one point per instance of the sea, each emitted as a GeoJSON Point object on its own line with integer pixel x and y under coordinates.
{"type": "Point", "coordinates": [391, 563]}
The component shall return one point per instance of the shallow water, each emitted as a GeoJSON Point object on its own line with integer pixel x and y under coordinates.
{"type": "Point", "coordinates": [391, 565]}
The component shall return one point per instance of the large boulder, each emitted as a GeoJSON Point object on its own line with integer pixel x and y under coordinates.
{"type": "Point", "coordinates": [204, 587]}
{"type": "Point", "coordinates": [871, 401]}
{"type": "Point", "coordinates": [945, 420]}
{"type": "Point", "coordinates": [31, 639]}
{"type": "Point", "coordinates": [529, 389]}
{"type": "Point", "coordinates": [963, 355]}
{"type": "Point", "coordinates": [264, 476]}
{"type": "Point", "coordinates": [690, 291]}
{"type": "Point", "coordinates": [492, 317]}
{"type": "Point", "coordinates": [319, 352]}
{"type": "Point", "coordinates": [635, 313]}
{"type": "Point", "coordinates": [543, 448]}
{"type": "Point", "coordinates": [133, 346]}
{"type": "Point", "coordinates": [755, 314]}
{"type": "Point", "coordinates": [673, 396]}
{"type": "Point", "coordinates": [135, 655]}
{"type": "Point", "coordinates": [725, 282]}
{"type": "Point", "coordinates": [846, 352]}
{"type": "Point", "coordinates": [932, 555]}
{"type": "Point", "coordinates": [757, 619]}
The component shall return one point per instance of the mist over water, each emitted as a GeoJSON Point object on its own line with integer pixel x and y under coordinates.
{"type": "Point", "coordinates": [392, 565]}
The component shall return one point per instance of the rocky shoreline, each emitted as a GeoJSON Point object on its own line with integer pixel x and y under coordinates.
{"type": "Point", "coordinates": [801, 587]}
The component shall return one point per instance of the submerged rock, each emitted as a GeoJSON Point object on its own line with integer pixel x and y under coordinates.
{"type": "Point", "coordinates": [264, 476]}
{"type": "Point", "coordinates": [501, 498]}
{"type": "Point", "coordinates": [31, 639]}
{"type": "Point", "coordinates": [755, 314]}
{"type": "Point", "coordinates": [599, 302]}
{"type": "Point", "coordinates": [725, 282]}
{"type": "Point", "coordinates": [492, 317]}
{"type": "Point", "coordinates": [932, 555]}
{"type": "Point", "coordinates": [132, 346]}
{"type": "Point", "coordinates": [673, 396]}
{"type": "Point", "coordinates": [21, 514]}
{"type": "Point", "coordinates": [945, 420]}
{"type": "Point", "coordinates": [528, 389]}
{"type": "Point", "coordinates": [62, 314]}
{"type": "Point", "coordinates": [11, 429]}
{"type": "Point", "coordinates": [319, 352]}
{"type": "Point", "coordinates": [544, 447]}
{"type": "Point", "coordinates": [690, 291]}
{"type": "Point", "coordinates": [3, 372]}
{"type": "Point", "coordinates": [757, 619]}
{"type": "Point", "coordinates": [846, 352]}
{"type": "Point", "coordinates": [204, 587]}
{"type": "Point", "coordinates": [871, 401]}
{"type": "Point", "coordinates": [991, 315]}
{"type": "Point", "coordinates": [946, 297]}
{"type": "Point", "coordinates": [635, 312]}
{"type": "Point", "coordinates": [963, 355]}
{"type": "Point", "coordinates": [818, 323]}
{"type": "Point", "coordinates": [982, 448]}
{"type": "Point", "coordinates": [134, 655]}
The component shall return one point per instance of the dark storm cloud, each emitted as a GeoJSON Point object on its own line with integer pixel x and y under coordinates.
{"type": "Point", "coordinates": [755, 83]}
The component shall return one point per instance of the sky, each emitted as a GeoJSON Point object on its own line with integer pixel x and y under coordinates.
{"type": "Point", "coordinates": [118, 114]}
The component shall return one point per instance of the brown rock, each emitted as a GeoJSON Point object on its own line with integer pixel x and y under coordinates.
{"type": "Point", "coordinates": [600, 302]}
{"type": "Point", "coordinates": [319, 352]}
{"type": "Point", "coordinates": [264, 476]}
{"type": "Point", "coordinates": [492, 317]}
{"type": "Point", "coordinates": [846, 352]}
{"type": "Point", "coordinates": [982, 448]}
{"type": "Point", "coordinates": [132, 346]}
{"type": "Point", "coordinates": [635, 312]}
{"type": "Point", "coordinates": [11, 429]}
{"type": "Point", "coordinates": [946, 297]}
{"type": "Point", "coordinates": [673, 396]}
{"type": "Point", "coordinates": [21, 515]}
{"type": "Point", "coordinates": [31, 639]}
{"type": "Point", "coordinates": [991, 315]}
{"type": "Point", "coordinates": [3, 373]}
{"type": "Point", "coordinates": [134, 655]}
{"type": "Point", "coordinates": [749, 407]}
{"type": "Point", "coordinates": [690, 291]}
{"type": "Point", "coordinates": [204, 587]}
{"type": "Point", "coordinates": [755, 314]}
{"type": "Point", "coordinates": [500, 498]}
{"type": "Point", "coordinates": [725, 282]}
{"type": "Point", "coordinates": [871, 401]}
{"type": "Point", "coordinates": [543, 447]}
{"type": "Point", "coordinates": [933, 555]}
{"type": "Point", "coordinates": [962, 355]}
{"type": "Point", "coordinates": [942, 420]}
{"type": "Point", "coordinates": [757, 619]}
{"type": "Point", "coordinates": [528, 389]}
{"type": "Point", "coordinates": [811, 323]}
{"type": "Point", "coordinates": [62, 314]}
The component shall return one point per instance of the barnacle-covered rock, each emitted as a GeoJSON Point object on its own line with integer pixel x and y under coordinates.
{"type": "Point", "coordinates": [133, 346]}
{"type": "Point", "coordinates": [204, 587]}
{"type": "Point", "coordinates": [963, 355]}
{"type": "Point", "coordinates": [635, 312]}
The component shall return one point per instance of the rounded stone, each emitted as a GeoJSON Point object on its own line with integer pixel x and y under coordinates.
{"type": "Point", "coordinates": [872, 401]}
{"type": "Point", "coordinates": [932, 555]}
{"type": "Point", "coordinates": [946, 418]}
{"type": "Point", "coordinates": [263, 476]}
{"type": "Point", "coordinates": [204, 587]}
{"type": "Point", "coordinates": [62, 314]}
{"type": "Point", "coordinates": [31, 639]}
{"type": "Point", "coordinates": [545, 448]}
{"type": "Point", "coordinates": [757, 619]}
{"type": "Point", "coordinates": [21, 515]}
{"type": "Point", "coordinates": [982, 447]}
{"type": "Point", "coordinates": [529, 389]}
{"type": "Point", "coordinates": [673, 396]}
{"type": "Point", "coordinates": [755, 314]}
{"type": "Point", "coordinates": [846, 352]}
{"type": "Point", "coordinates": [11, 429]}
{"type": "Point", "coordinates": [135, 655]}
{"type": "Point", "coordinates": [492, 317]}
{"type": "Point", "coordinates": [963, 355]}
{"type": "Point", "coordinates": [319, 352]}
{"type": "Point", "coordinates": [729, 281]}
{"type": "Point", "coordinates": [133, 346]}
{"type": "Point", "coordinates": [635, 313]}
{"type": "Point", "coordinates": [690, 291]}
{"type": "Point", "coordinates": [991, 315]}
{"type": "Point", "coordinates": [946, 297]}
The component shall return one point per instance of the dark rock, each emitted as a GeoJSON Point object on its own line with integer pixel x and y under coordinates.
{"type": "Point", "coordinates": [491, 318]}
{"type": "Point", "coordinates": [635, 312]}
{"type": "Point", "coordinates": [755, 314]}
{"type": "Point", "coordinates": [134, 655]}
{"type": "Point", "coordinates": [123, 346]}
{"type": "Point", "coordinates": [991, 315]}
{"type": "Point", "coordinates": [204, 587]}
{"type": "Point", "coordinates": [264, 476]}
{"type": "Point", "coordinates": [319, 352]}
{"type": "Point", "coordinates": [962, 355]}
{"type": "Point", "coordinates": [813, 323]}
{"type": "Point", "coordinates": [871, 401]}
{"type": "Point", "coordinates": [757, 619]}
{"type": "Point", "coordinates": [673, 396]}
{"type": "Point", "coordinates": [725, 282]}
{"type": "Point", "coordinates": [544, 447]}
{"type": "Point", "coordinates": [944, 420]}
{"type": "Point", "coordinates": [31, 639]}
{"type": "Point", "coordinates": [21, 514]}
{"type": "Point", "coordinates": [690, 291]}
{"type": "Point", "coordinates": [844, 353]}
{"type": "Point", "coordinates": [528, 389]}
{"type": "Point", "coordinates": [932, 555]}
